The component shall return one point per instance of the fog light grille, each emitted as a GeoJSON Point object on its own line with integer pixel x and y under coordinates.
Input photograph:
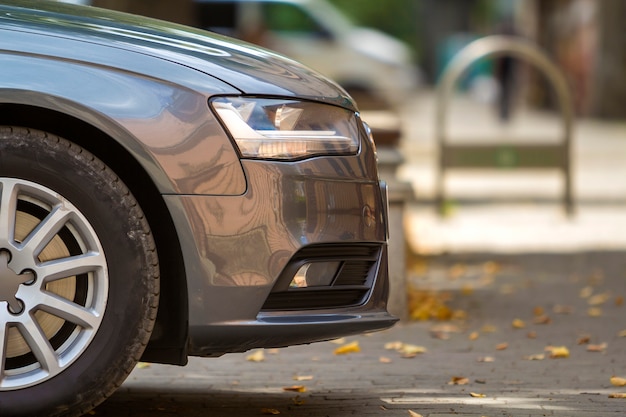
{"type": "Point", "coordinates": [346, 275]}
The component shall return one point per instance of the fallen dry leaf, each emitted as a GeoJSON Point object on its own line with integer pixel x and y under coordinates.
{"type": "Point", "coordinates": [619, 301]}
{"type": "Point", "coordinates": [295, 388]}
{"type": "Point", "coordinates": [473, 336]}
{"type": "Point", "coordinates": [594, 312]}
{"type": "Point", "coordinates": [583, 340]}
{"type": "Point", "coordinates": [618, 381]}
{"type": "Point", "coordinates": [269, 411]}
{"type": "Point", "coordinates": [412, 349]}
{"type": "Point", "coordinates": [414, 414]}
{"type": "Point", "coordinates": [586, 292]}
{"type": "Point", "coordinates": [621, 333]}
{"type": "Point", "coordinates": [502, 346]}
{"type": "Point", "coordinates": [536, 357]}
{"type": "Point", "coordinates": [558, 352]}
{"type": "Point", "coordinates": [340, 341]}
{"type": "Point", "coordinates": [384, 359]}
{"type": "Point", "coordinates": [467, 289]}
{"type": "Point", "coordinates": [397, 345]}
{"type": "Point", "coordinates": [538, 311]}
{"type": "Point", "coordinates": [486, 359]}
{"type": "Point", "coordinates": [445, 328]}
{"type": "Point", "coordinates": [618, 395]}
{"type": "Point", "coordinates": [598, 299]}
{"type": "Point", "coordinates": [531, 335]}
{"type": "Point", "coordinates": [458, 380]}
{"type": "Point", "coordinates": [142, 365]}
{"type": "Point", "coordinates": [348, 348]}
{"type": "Point", "coordinates": [544, 319]}
{"type": "Point", "coordinates": [303, 377]}
{"type": "Point", "coordinates": [596, 348]}
{"type": "Point", "coordinates": [518, 324]}
{"type": "Point", "coordinates": [429, 305]}
{"type": "Point", "coordinates": [256, 356]}
{"type": "Point", "coordinates": [297, 400]}
{"type": "Point", "coordinates": [476, 395]}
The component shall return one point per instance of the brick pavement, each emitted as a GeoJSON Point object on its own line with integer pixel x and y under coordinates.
{"type": "Point", "coordinates": [491, 290]}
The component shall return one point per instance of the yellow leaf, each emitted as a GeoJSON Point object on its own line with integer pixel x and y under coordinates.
{"type": "Point", "coordinates": [269, 411]}
{"type": "Point", "coordinates": [256, 356]}
{"type": "Point", "coordinates": [594, 312]}
{"type": "Point", "coordinates": [476, 395]}
{"type": "Point", "coordinates": [394, 345]}
{"type": "Point", "coordinates": [414, 414]}
{"type": "Point", "coordinates": [598, 299]}
{"type": "Point", "coordinates": [557, 352]}
{"type": "Point", "coordinates": [586, 292]}
{"type": "Point", "coordinates": [142, 365]}
{"type": "Point", "coordinates": [518, 324]}
{"type": "Point", "coordinates": [412, 349]}
{"type": "Point", "coordinates": [618, 381]}
{"type": "Point", "coordinates": [458, 380]}
{"type": "Point", "coordinates": [348, 348]}
{"type": "Point", "coordinates": [618, 395]}
{"type": "Point", "coordinates": [295, 388]}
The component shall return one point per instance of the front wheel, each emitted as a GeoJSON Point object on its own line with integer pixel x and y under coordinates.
{"type": "Point", "coordinates": [78, 277]}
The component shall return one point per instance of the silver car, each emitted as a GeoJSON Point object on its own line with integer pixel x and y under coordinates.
{"type": "Point", "coordinates": [167, 193]}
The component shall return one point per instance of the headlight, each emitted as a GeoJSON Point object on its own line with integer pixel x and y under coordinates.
{"type": "Point", "coordinates": [287, 129]}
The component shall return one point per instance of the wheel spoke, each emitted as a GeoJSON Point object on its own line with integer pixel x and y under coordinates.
{"type": "Point", "coordinates": [8, 205]}
{"type": "Point", "coordinates": [69, 311]}
{"type": "Point", "coordinates": [67, 267]}
{"type": "Point", "coordinates": [46, 230]}
{"type": "Point", "coordinates": [39, 345]}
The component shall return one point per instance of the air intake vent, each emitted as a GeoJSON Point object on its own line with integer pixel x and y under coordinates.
{"type": "Point", "coordinates": [350, 287]}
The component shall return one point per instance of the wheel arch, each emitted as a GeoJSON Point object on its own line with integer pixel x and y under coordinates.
{"type": "Point", "coordinates": [169, 338]}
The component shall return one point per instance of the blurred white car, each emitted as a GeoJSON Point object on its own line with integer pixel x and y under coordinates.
{"type": "Point", "coordinates": [376, 69]}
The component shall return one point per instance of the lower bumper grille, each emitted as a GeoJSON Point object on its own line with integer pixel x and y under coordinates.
{"type": "Point", "coordinates": [351, 285]}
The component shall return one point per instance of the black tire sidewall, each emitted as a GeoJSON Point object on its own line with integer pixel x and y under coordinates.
{"type": "Point", "coordinates": [113, 213]}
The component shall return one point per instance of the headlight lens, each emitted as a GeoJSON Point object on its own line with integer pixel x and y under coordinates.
{"type": "Point", "coordinates": [287, 129]}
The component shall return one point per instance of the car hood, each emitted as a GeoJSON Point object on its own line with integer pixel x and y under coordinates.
{"type": "Point", "coordinates": [249, 69]}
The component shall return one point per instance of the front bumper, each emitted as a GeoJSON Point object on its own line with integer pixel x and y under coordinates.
{"type": "Point", "coordinates": [241, 252]}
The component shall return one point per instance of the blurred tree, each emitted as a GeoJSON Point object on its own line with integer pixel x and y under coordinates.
{"type": "Point", "coordinates": [395, 17]}
{"type": "Point", "coordinates": [179, 11]}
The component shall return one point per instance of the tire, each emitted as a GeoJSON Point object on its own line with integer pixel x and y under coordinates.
{"type": "Point", "coordinates": [79, 277]}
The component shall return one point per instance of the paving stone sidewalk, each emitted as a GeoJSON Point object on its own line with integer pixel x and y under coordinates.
{"type": "Point", "coordinates": [574, 300]}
